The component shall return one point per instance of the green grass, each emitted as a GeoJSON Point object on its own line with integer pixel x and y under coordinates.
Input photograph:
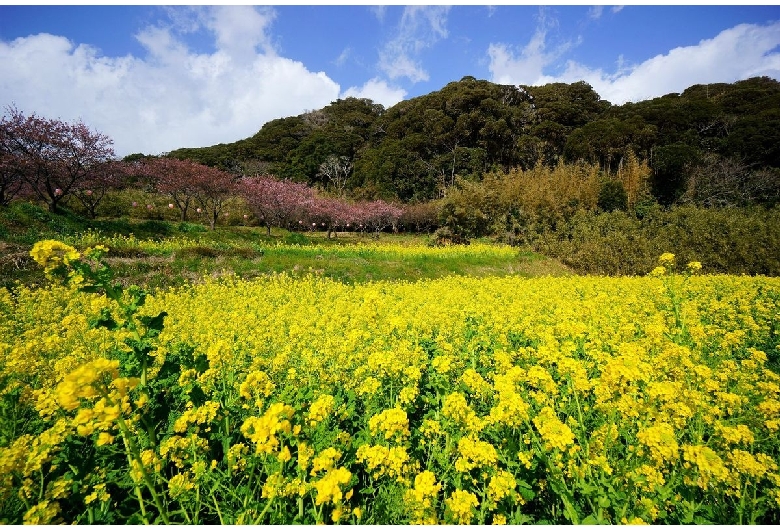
{"type": "Point", "coordinates": [159, 254]}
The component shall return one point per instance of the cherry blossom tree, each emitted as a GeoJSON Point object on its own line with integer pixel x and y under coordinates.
{"type": "Point", "coordinates": [378, 215]}
{"type": "Point", "coordinates": [213, 189]}
{"type": "Point", "coordinates": [51, 156]}
{"type": "Point", "coordinates": [105, 177]}
{"type": "Point", "coordinates": [277, 202]}
{"type": "Point", "coordinates": [174, 178]}
{"type": "Point", "coordinates": [11, 178]}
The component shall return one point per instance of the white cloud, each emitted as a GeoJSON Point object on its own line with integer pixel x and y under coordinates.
{"type": "Point", "coordinates": [343, 56]}
{"type": "Point", "coordinates": [744, 51]}
{"type": "Point", "coordinates": [173, 97]}
{"type": "Point", "coordinates": [379, 12]}
{"type": "Point", "coordinates": [378, 91]}
{"type": "Point", "coordinates": [420, 28]}
{"type": "Point", "coordinates": [595, 12]}
{"type": "Point", "coordinates": [241, 30]}
{"type": "Point", "coordinates": [507, 67]}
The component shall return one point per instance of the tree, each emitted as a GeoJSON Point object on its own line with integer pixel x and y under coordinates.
{"type": "Point", "coordinates": [336, 169]}
{"type": "Point", "coordinates": [276, 202]}
{"type": "Point", "coordinates": [213, 188]}
{"type": "Point", "coordinates": [53, 157]}
{"type": "Point", "coordinates": [174, 177]}
{"type": "Point", "coordinates": [378, 215]}
{"type": "Point", "coordinates": [420, 217]}
{"type": "Point", "coordinates": [612, 196]}
{"type": "Point", "coordinates": [11, 171]}
{"type": "Point", "coordinates": [105, 177]}
{"type": "Point", "coordinates": [671, 165]}
{"type": "Point", "coordinates": [721, 182]}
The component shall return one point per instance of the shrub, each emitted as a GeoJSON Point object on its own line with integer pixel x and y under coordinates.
{"type": "Point", "coordinates": [612, 196]}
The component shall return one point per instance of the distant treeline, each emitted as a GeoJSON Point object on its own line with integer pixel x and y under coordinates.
{"type": "Point", "coordinates": [712, 145]}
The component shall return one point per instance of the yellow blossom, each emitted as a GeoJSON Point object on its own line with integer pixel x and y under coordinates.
{"type": "Point", "coordinates": [501, 485]}
{"type": "Point", "coordinates": [329, 487]}
{"type": "Point", "coordinates": [320, 409]}
{"type": "Point", "coordinates": [555, 433]}
{"type": "Point", "coordinates": [461, 505]}
{"type": "Point", "coordinates": [391, 423]}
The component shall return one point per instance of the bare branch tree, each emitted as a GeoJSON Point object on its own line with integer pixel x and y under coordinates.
{"type": "Point", "coordinates": [337, 170]}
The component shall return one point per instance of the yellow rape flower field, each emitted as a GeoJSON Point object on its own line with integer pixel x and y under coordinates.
{"type": "Point", "coordinates": [302, 400]}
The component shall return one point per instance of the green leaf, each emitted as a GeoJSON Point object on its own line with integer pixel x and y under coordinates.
{"type": "Point", "coordinates": [154, 323]}
{"type": "Point", "coordinates": [590, 520]}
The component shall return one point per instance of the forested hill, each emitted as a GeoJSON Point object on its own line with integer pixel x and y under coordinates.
{"type": "Point", "coordinates": [413, 150]}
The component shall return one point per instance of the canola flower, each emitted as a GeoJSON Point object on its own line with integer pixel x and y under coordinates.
{"type": "Point", "coordinates": [458, 400]}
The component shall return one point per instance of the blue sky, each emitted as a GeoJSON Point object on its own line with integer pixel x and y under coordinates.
{"type": "Point", "coordinates": [156, 78]}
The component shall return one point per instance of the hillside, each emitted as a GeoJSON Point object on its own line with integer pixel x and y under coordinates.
{"type": "Point", "coordinates": [416, 149]}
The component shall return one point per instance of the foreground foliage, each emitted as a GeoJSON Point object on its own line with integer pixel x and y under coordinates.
{"type": "Point", "coordinates": [459, 400]}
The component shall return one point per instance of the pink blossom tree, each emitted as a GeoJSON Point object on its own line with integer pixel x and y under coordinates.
{"type": "Point", "coordinates": [213, 188]}
{"type": "Point", "coordinates": [11, 177]}
{"type": "Point", "coordinates": [51, 156]}
{"type": "Point", "coordinates": [174, 178]}
{"type": "Point", "coordinates": [105, 177]}
{"type": "Point", "coordinates": [378, 215]}
{"type": "Point", "coordinates": [277, 202]}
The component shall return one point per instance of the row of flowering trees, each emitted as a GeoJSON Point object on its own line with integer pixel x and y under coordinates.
{"type": "Point", "coordinates": [52, 160]}
{"type": "Point", "coordinates": [294, 205]}
{"type": "Point", "coordinates": [275, 203]}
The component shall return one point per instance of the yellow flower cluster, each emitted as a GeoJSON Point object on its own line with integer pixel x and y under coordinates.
{"type": "Point", "coordinates": [320, 409]}
{"type": "Point", "coordinates": [461, 506]}
{"type": "Point", "coordinates": [256, 386]}
{"type": "Point", "coordinates": [501, 485]}
{"type": "Point", "coordinates": [422, 497]}
{"type": "Point", "coordinates": [329, 487]}
{"type": "Point", "coordinates": [475, 453]}
{"type": "Point", "coordinates": [708, 466]}
{"type": "Point", "coordinates": [555, 433]}
{"type": "Point", "coordinates": [51, 254]}
{"type": "Point", "coordinates": [264, 431]}
{"type": "Point", "coordinates": [457, 409]}
{"type": "Point", "coordinates": [391, 423]}
{"type": "Point", "coordinates": [380, 460]}
{"type": "Point", "coordinates": [204, 414]}
{"type": "Point", "coordinates": [661, 442]}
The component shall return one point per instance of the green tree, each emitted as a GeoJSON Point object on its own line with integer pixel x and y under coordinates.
{"type": "Point", "coordinates": [612, 196]}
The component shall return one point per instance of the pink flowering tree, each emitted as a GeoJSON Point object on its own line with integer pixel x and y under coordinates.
{"type": "Point", "coordinates": [276, 202]}
{"type": "Point", "coordinates": [174, 178]}
{"type": "Point", "coordinates": [213, 188]}
{"type": "Point", "coordinates": [11, 171]}
{"type": "Point", "coordinates": [335, 214]}
{"type": "Point", "coordinates": [105, 177]}
{"type": "Point", "coordinates": [378, 215]}
{"type": "Point", "coordinates": [52, 157]}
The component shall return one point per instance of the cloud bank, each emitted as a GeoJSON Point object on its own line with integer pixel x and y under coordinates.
{"type": "Point", "coordinates": [173, 97]}
{"type": "Point", "coordinates": [746, 50]}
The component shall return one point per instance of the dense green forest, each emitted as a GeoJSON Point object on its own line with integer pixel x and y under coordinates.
{"type": "Point", "coordinates": [712, 145]}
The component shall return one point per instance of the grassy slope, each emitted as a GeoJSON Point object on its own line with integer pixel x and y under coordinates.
{"type": "Point", "coordinates": [247, 251]}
